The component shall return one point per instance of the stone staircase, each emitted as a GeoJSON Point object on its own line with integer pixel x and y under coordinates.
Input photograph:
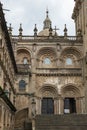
{"type": "Point", "coordinates": [61, 122]}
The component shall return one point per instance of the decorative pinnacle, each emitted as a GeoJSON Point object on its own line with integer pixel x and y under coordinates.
{"type": "Point", "coordinates": [20, 29]}
{"type": "Point", "coordinates": [65, 30]}
{"type": "Point", "coordinates": [35, 30]}
{"type": "Point", "coordinates": [10, 29]}
{"type": "Point", "coordinates": [50, 30]}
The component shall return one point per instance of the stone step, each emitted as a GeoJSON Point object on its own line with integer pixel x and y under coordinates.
{"type": "Point", "coordinates": [61, 122]}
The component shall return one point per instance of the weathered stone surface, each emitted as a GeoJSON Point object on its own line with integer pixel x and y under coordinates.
{"type": "Point", "coordinates": [63, 122]}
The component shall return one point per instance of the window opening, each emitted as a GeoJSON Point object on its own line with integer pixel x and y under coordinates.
{"type": "Point", "coordinates": [47, 61]}
{"type": "Point", "coordinates": [69, 61]}
{"type": "Point", "coordinates": [25, 61]}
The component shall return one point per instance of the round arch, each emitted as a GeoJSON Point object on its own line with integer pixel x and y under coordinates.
{"type": "Point", "coordinates": [23, 56]}
{"type": "Point", "coordinates": [45, 50]}
{"type": "Point", "coordinates": [20, 50]}
{"type": "Point", "coordinates": [25, 49]}
{"type": "Point", "coordinates": [46, 57]}
{"type": "Point", "coordinates": [70, 90]}
{"type": "Point", "coordinates": [20, 117]}
{"type": "Point", "coordinates": [48, 91]}
{"type": "Point", "coordinates": [71, 50]}
{"type": "Point", "coordinates": [71, 57]}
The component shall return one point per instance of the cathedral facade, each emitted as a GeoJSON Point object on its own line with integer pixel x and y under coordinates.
{"type": "Point", "coordinates": [44, 73]}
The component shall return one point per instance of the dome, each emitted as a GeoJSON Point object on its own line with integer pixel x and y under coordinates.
{"type": "Point", "coordinates": [45, 32]}
{"type": "Point", "coordinates": [47, 26]}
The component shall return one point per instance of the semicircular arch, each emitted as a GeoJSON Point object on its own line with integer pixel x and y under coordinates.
{"type": "Point", "coordinates": [71, 50]}
{"type": "Point", "coordinates": [48, 91]}
{"type": "Point", "coordinates": [19, 49]}
{"type": "Point", "coordinates": [70, 90]}
{"type": "Point", "coordinates": [46, 50]}
{"type": "Point", "coordinates": [23, 56]}
{"type": "Point", "coordinates": [71, 57]}
{"type": "Point", "coordinates": [20, 117]}
{"type": "Point", "coordinates": [46, 57]}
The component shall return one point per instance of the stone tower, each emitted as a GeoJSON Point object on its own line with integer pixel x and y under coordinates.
{"type": "Point", "coordinates": [80, 18]}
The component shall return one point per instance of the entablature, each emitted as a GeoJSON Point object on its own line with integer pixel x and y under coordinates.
{"type": "Point", "coordinates": [59, 71]}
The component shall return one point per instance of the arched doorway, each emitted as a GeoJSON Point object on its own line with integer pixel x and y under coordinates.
{"type": "Point", "coordinates": [21, 120]}
{"type": "Point", "coordinates": [47, 106]}
{"type": "Point", "coordinates": [71, 94]}
{"type": "Point", "coordinates": [48, 102]}
{"type": "Point", "coordinates": [69, 105]}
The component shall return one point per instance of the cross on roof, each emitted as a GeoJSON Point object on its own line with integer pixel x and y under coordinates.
{"type": "Point", "coordinates": [55, 29]}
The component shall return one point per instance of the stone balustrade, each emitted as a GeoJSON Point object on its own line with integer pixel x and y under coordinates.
{"type": "Point", "coordinates": [59, 71]}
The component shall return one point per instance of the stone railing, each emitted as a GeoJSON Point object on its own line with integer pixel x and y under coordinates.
{"type": "Point", "coordinates": [23, 68]}
{"type": "Point", "coordinates": [59, 71]}
{"type": "Point", "coordinates": [45, 38]}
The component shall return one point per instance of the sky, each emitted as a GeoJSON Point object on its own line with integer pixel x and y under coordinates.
{"type": "Point", "coordinates": [31, 12]}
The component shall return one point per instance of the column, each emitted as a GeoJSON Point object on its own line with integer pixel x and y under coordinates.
{"type": "Point", "coordinates": [56, 106]}
{"type": "Point", "coordinates": [38, 105]}
{"type": "Point", "coordinates": [82, 105]}
{"type": "Point", "coordinates": [6, 119]}
{"type": "Point", "coordinates": [9, 120]}
{"type": "Point", "coordinates": [2, 118]}
{"type": "Point", "coordinates": [78, 105]}
{"type": "Point", "coordinates": [33, 69]}
{"type": "Point", "coordinates": [61, 105]}
{"type": "Point", "coordinates": [33, 124]}
{"type": "Point", "coordinates": [58, 47]}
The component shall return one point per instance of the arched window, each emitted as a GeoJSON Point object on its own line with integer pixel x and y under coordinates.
{"type": "Point", "coordinates": [25, 61]}
{"type": "Point", "coordinates": [22, 85]}
{"type": "Point", "coordinates": [47, 61]}
{"type": "Point", "coordinates": [69, 61]}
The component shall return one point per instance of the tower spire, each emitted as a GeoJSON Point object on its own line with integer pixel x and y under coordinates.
{"type": "Point", "coordinates": [47, 12]}
{"type": "Point", "coordinates": [47, 21]}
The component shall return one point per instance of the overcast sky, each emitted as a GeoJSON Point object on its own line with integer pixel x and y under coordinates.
{"type": "Point", "coordinates": [31, 12]}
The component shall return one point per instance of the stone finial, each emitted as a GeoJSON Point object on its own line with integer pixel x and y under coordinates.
{"type": "Point", "coordinates": [20, 30]}
{"type": "Point", "coordinates": [65, 31]}
{"type": "Point", "coordinates": [50, 30]}
{"type": "Point", "coordinates": [10, 30]}
{"type": "Point", "coordinates": [35, 30]}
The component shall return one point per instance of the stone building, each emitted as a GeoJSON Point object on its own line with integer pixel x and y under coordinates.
{"type": "Point", "coordinates": [44, 73]}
